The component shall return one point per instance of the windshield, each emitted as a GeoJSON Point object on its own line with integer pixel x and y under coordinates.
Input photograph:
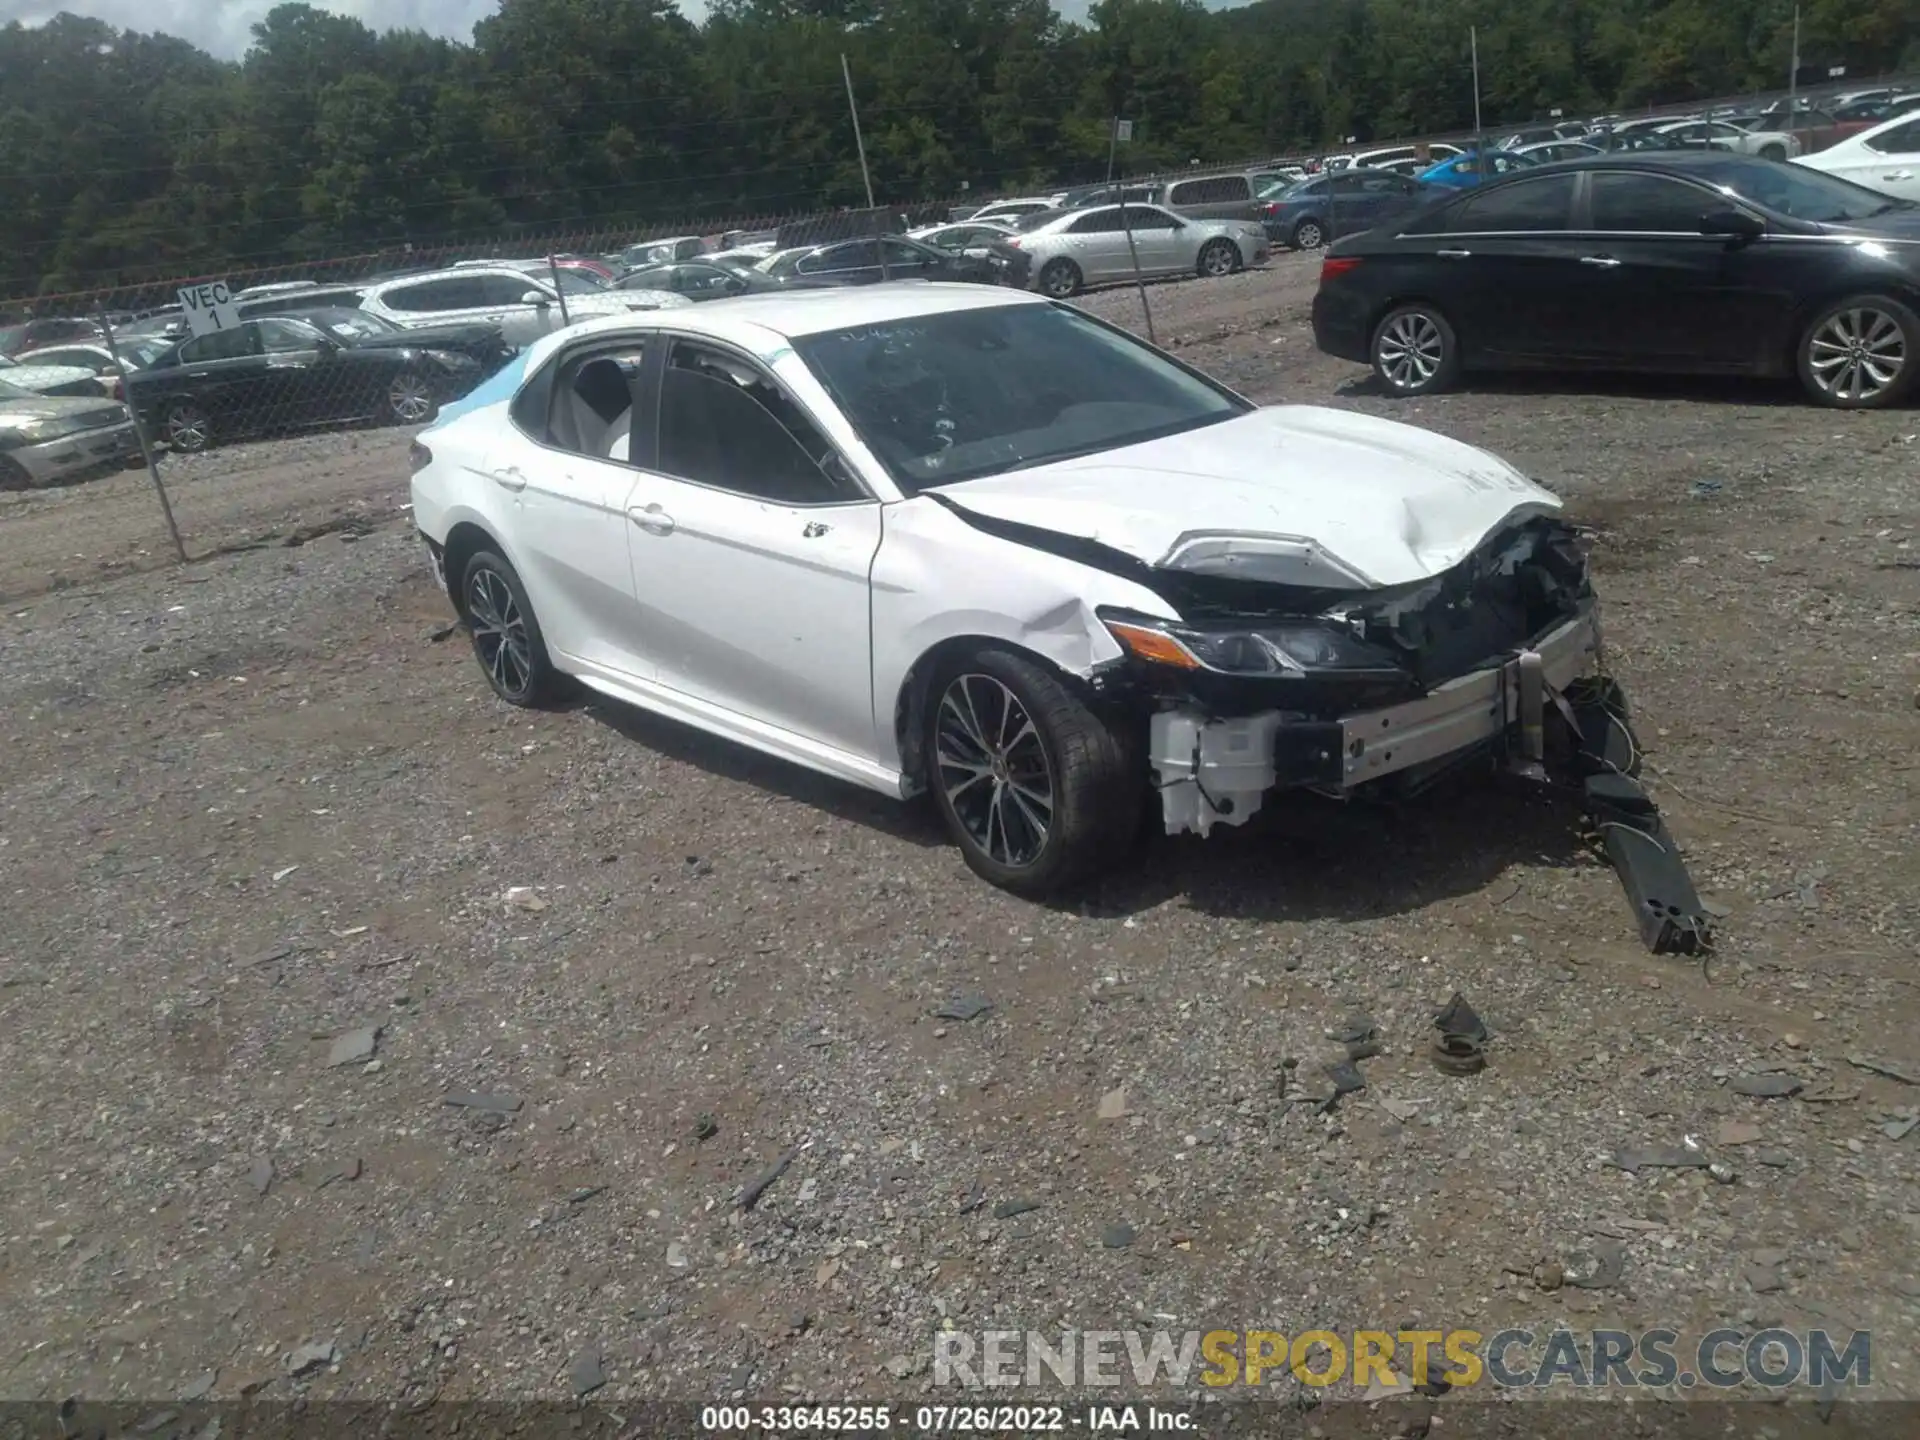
{"type": "Point", "coordinates": [1024, 223]}
{"type": "Point", "coordinates": [950, 397]}
{"type": "Point", "coordinates": [349, 324]}
{"type": "Point", "coordinates": [1803, 193]}
{"type": "Point", "coordinates": [577, 282]}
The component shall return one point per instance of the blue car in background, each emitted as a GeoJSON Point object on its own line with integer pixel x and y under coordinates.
{"type": "Point", "coordinates": [1466, 170]}
{"type": "Point", "coordinates": [1314, 212]}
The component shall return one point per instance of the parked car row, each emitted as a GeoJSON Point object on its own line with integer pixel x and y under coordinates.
{"type": "Point", "coordinates": [1701, 262]}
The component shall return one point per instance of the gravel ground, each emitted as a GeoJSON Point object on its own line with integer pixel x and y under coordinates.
{"type": "Point", "coordinates": [260, 803]}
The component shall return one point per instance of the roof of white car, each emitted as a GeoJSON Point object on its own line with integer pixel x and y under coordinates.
{"type": "Point", "coordinates": [763, 323]}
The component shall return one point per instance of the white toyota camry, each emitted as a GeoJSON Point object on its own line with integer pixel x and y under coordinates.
{"type": "Point", "coordinates": [971, 541]}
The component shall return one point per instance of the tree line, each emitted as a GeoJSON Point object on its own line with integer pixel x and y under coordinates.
{"type": "Point", "coordinates": [132, 157]}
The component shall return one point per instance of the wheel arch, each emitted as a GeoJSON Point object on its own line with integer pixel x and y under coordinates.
{"type": "Point", "coordinates": [1787, 355]}
{"type": "Point", "coordinates": [916, 688]}
{"type": "Point", "coordinates": [465, 539]}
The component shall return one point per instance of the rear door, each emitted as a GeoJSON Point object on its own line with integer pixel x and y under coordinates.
{"type": "Point", "coordinates": [1163, 241]}
{"type": "Point", "coordinates": [1097, 243]}
{"type": "Point", "coordinates": [1509, 249]}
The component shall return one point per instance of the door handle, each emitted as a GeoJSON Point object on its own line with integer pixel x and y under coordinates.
{"type": "Point", "coordinates": [1898, 175]}
{"type": "Point", "coordinates": [1602, 262]}
{"type": "Point", "coordinates": [651, 518]}
{"type": "Point", "coordinates": [198, 374]}
{"type": "Point", "coordinates": [510, 478]}
{"type": "Point", "coordinates": [1453, 254]}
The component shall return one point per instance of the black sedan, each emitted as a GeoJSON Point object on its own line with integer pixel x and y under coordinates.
{"type": "Point", "coordinates": [283, 372]}
{"type": "Point", "coordinates": [699, 280]}
{"type": "Point", "coordinates": [1664, 262]}
{"type": "Point", "coordinates": [892, 257]}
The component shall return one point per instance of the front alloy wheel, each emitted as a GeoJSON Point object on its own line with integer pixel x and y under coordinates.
{"type": "Point", "coordinates": [1219, 258]}
{"type": "Point", "coordinates": [188, 428]}
{"type": "Point", "coordinates": [410, 399]}
{"type": "Point", "coordinates": [1308, 235]}
{"type": "Point", "coordinates": [994, 770]}
{"type": "Point", "coordinates": [1859, 354]}
{"type": "Point", "coordinates": [1036, 787]}
{"type": "Point", "coordinates": [1414, 351]}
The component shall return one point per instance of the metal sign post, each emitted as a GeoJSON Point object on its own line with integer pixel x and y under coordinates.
{"type": "Point", "coordinates": [1126, 223]}
{"type": "Point", "coordinates": [1793, 73]}
{"type": "Point", "coordinates": [553, 269]}
{"type": "Point", "coordinates": [140, 434]}
{"type": "Point", "coordinates": [1479, 137]}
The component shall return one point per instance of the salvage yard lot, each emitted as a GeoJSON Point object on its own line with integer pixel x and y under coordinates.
{"type": "Point", "coordinates": [259, 802]}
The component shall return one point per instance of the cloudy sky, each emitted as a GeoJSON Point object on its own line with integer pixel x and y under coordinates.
{"type": "Point", "coordinates": [222, 26]}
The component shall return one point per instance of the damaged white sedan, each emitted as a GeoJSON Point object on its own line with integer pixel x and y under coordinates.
{"type": "Point", "coordinates": [974, 542]}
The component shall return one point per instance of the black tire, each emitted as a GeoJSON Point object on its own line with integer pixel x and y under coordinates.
{"type": "Point", "coordinates": [1850, 345]}
{"type": "Point", "coordinates": [1773, 152]}
{"type": "Point", "coordinates": [411, 398]}
{"type": "Point", "coordinates": [1060, 279]}
{"type": "Point", "coordinates": [1091, 773]}
{"type": "Point", "coordinates": [505, 633]}
{"type": "Point", "coordinates": [1414, 350]}
{"type": "Point", "coordinates": [13, 475]}
{"type": "Point", "coordinates": [1309, 234]}
{"type": "Point", "coordinates": [1217, 258]}
{"type": "Point", "coordinates": [186, 427]}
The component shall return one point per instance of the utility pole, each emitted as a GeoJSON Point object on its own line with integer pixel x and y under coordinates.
{"type": "Point", "coordinates": [1479, 138]}
{"type": "Point", "coordinates": [853, 109]}
{"type": "Point", "coordinates": [1793, 72]}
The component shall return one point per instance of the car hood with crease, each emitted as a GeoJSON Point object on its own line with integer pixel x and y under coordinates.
{"type": "Point", "coordinates": [1294, 494]}
{"type": "Point", "coordinates": [51, 379]}
{"type": "Point", "coordinates": [27, 410]}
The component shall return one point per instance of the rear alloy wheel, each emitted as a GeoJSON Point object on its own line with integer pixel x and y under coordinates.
{"type": "Point", "coordinates": [1219, 257]}
{"type": "Point", "coordinates": [187, 427]}
{"type": "Point", "coordinates": [1308, 235]}
{"type": "Point", "coordinates": [1860, 353]}
{"type": "Point", "coordinates": [1414, 351]}
{"type": "Point", "coordinates": [1037, 789]}
{"type": "Point", "coordinates": [411, 399]}
{"type": "Point", "coordinates": [506, 637]}
{"type": "Point", "coordinates": [1060, 279]}
{"type": "Point", "coordinates": [1773, 152]}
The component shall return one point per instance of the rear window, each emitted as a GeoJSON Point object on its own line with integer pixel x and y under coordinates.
{"type": "Point", "coordinates": [1213, 190]}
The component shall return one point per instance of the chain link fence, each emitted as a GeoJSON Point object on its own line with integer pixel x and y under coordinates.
{"type": "Point", "coordinates": [128, 442]}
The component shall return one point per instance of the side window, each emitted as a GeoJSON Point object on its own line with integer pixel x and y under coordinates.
{"type": "Point", "coordinates": [700, 280]}
{"type": "Point", "coordinates": [856, 255]}
{"type": "Point", "coordinates": [1214, 190]}
{"type": "Point", "coordinates": [1147, 217]}
{"type": "Point", "coordinates": [1648, 204]}
{"type": "Point", "coordinates": [1900, 140]}
{"type": "Point", "coordinates": [458, 293]}
{"type": "Point", "coordinates": [281, 337]}
{"type": "Point", "coordinates": [497, 290]}
{"type": "Point", "coordinates": [901, 255]}
{"type": "Point", "coordinates": [724, 423]}
{"type": "Point", "coordinates": [591, 411]}
{"type": "Point", "coordinates": [234, 344]}
{"type": "Point", "coordinates": [1096, 222]}
{"type": "Point", "coordinates": [1526, 205]}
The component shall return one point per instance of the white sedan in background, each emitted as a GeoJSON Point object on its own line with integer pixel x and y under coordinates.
{"type": "Point", "coordinates": [1885, 158]}
{"type": "Point", "coordinates": [968, 541]}
{"type": "Point", "coordinates": [1072, 249]}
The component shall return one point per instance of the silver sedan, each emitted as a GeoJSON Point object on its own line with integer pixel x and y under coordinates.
{"type": "Point", "coordinates": [1075, 248]}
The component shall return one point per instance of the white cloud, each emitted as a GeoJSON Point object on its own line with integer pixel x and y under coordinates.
{"type": "Point", "coordinates": [224, 27]}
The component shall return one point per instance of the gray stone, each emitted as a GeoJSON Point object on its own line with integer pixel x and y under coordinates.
{"type": "Point", "coordinates": [1118, 1237]}
{"type": "Point", "coordinates": [354, 1046]}
{"type": "Point", "coordinates": [588, 1374]}
{"type": "Point", "coordinates": [1766, 1087]}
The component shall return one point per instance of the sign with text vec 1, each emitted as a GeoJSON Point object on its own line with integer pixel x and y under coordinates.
{"type": "Point", "coordinates": [209, 307]}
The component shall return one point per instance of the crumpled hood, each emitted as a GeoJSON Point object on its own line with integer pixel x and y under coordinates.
{"type": "Point", "coordinates": [1292, 494]}
{"type": "Point", "coordinates": [27, 409]}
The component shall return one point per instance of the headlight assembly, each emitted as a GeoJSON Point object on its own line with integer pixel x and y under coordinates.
{"type": "Point", "coordinates": [1293, 647]}
{"type": "Point", "coordinates": [453, 360]}
{"type": "Point", "coordinates": [39, 432]}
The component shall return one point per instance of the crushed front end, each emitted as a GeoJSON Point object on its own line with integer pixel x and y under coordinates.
{"type": "Point", "coordinates": [1496, 662]}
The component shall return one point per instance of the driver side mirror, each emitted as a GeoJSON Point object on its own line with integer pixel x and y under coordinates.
{"type": "Point", "coordinates": [1734, 224]}
{"type": "Point", "coordinates": [536, 299]}
{"type": "Point", "coordinates": [327, 345]}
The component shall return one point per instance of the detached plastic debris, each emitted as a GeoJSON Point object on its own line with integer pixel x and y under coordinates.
{"type": "Point", "coordinates": [1672, 919]}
